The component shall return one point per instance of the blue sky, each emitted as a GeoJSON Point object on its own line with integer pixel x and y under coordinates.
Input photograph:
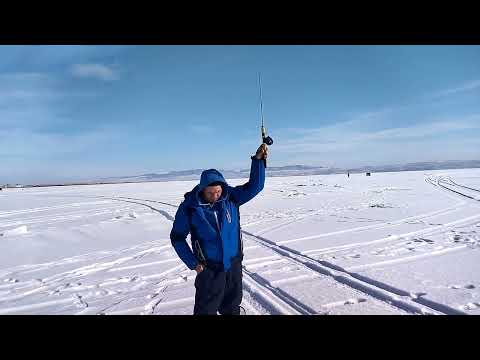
{"type": "Point", "coordinates": [79, 112]}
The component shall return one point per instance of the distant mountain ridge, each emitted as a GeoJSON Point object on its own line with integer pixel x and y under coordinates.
{"type": "Point", "coordinates": [288, 170]}
{"type": "Point", "coordinates": [293, 170]}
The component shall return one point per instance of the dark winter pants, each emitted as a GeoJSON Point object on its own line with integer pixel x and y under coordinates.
{"type": "Point", "coordinates": [219, 291]}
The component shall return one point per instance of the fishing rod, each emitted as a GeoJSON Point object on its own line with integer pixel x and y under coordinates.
{"type": "Point", "coordinates": [265, 139]}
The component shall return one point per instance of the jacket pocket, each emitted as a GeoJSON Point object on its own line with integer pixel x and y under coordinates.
{"type": "Point", "coordinates": [202, 277]}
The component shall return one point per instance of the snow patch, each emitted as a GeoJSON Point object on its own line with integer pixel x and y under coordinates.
{"type": "Point", "coordinates": [130, 215]}
{"type": "Point", "coordinates": [392, 188]}
{"type": "Point", "coordinates": [22, 230]}
{"type": "Point", "coordinates": [10, 280]}
{"type": "Point", "coordinates": [470, 306]}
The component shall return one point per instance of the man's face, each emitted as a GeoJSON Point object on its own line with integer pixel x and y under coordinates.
{"type": "Point", "coordinates": [212, 193]}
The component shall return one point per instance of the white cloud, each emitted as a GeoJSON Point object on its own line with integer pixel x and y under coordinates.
{"type": "Point", "coordinates": [468, 86]}
{"type": "Point", "coordinates": [32, 100]}
{"type": "Point", "coordinates": [12, 95]}
{"type": "Point", "coordinates": [23, 76]}
{"type": "Point", "coordinates": [33, 157]}
{"type": "Point", "coordinates": [97, 71]}
{"type": "Point", "coordinates": [345, 137]}
{"type": "Point", "coordinates": [201, 129]}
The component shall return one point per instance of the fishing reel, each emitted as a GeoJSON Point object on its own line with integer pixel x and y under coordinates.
{"type": "Point", "coordinates": [266, 139]}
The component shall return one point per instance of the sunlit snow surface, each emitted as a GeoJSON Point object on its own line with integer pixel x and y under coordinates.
{"type": "Point", "coordinates": [391, 243]}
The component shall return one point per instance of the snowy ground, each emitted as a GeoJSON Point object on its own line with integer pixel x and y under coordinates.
{"type": "Point", "coordinates": [392, 243]}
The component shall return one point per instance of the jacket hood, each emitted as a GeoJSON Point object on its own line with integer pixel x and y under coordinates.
{"type": "Point", "coordinates": [208, 176]}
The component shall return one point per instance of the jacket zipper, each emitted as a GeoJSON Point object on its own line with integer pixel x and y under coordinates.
{"type": "Point", "coordinates": [216, 219]}
{"type": "Point", "coordinates": [219, 232]}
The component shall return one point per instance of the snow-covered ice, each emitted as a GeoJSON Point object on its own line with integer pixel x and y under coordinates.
{"type": "Point", "coordinates": [391, 243]}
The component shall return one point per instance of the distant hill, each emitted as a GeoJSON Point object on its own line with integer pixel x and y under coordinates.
{"type": "Point", "coordinates": [434, 165]}
{"type": "Point", "coordinates": [289, 170]}
{"type": "Point", "coordinates": [293, 170]}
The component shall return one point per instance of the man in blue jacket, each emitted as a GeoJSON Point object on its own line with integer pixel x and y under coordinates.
{"type": "Point", "coordinates": [210, 213]}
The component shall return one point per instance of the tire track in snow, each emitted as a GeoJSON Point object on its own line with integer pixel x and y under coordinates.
{"type": "Point", "coordinates": [288, 222]}
{"type": "Point", "coordinates": [48, 208]}
{"type": "Point", "coordinates": [65, 282]}
{"type": "Point", "coordinates": [373, 227]}
{"type": "Point", "coordinates": [52, 219]}
{"type": "Point", "coordinates": [463, 186]}
{"type": "Point", "coordinates": [162, 212]}
{"type": "Point", "coordinates": [275, 299]}
{"type": "Point", "coordinates": [56, 283]}
{"type": "Point", "coordinates": [270, 297]}
{"type": "Point", "coordinates": [473, 196]}
{"type": "Point", "coordinates": [441, 182]}
{"type": "Point", "coordinates": [427, 231]}
{"type": "Point", "coordinates": [383, 292]}
{"type": "Point", "coordinates": [155, 201]}
{"type": "Point", "coordinates": [373, 288]}
{"type": "Point", "coordinates": [266, 295]}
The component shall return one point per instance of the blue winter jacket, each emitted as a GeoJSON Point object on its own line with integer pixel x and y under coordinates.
{"type": "Point", "coordinates": [214, 228]}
